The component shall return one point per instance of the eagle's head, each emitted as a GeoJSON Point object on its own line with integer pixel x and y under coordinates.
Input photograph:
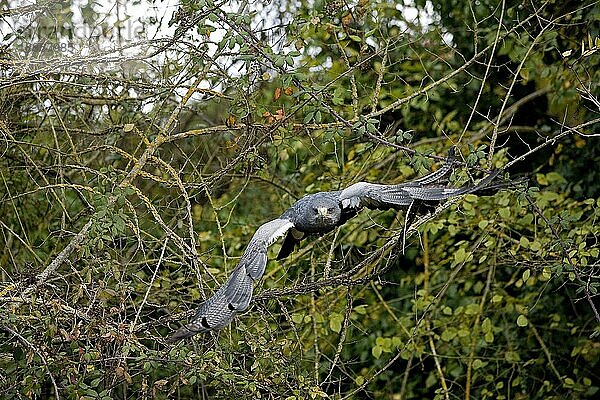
{"type": "Point", "coordinates": [325, 212]}
{"type": "Point", "coordinates": [316, 213]}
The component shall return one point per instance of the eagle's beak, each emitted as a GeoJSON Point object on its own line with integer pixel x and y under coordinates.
{"type": "Point", "coordinates": [323, 211]}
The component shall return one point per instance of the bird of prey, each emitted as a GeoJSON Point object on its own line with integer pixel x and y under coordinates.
{"type": "Point", "coordinates": [318, 214]}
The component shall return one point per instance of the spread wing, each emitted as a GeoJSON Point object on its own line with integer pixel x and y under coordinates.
{"type": "Point", "coordinates": [418, 193]}
{"type": "Point", "coordinates": [440, 173]}
{"type": "Point", "coordinates": [372, 195]}
{"type": "Point", "coordinates": [437, 193]}
{"type": "Point", "coordinates": [235, 295]}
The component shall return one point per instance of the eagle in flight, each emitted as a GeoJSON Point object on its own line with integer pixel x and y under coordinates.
{"type": "Point", "coordinates": [317, 214]}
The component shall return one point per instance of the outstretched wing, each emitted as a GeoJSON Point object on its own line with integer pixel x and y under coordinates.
{"type": "Point", "coordinates": [372, 195]}
{"type": "Point", "coordinates": [440, 173]}
{"type": "Point", "coordinates": [235, 295]}
{"type": "Point", "coordinates": [292, 239]}
{"type": "Point", "coordinates": [437, 193]}
{"type": "Point", "coordinates": [419, 193]}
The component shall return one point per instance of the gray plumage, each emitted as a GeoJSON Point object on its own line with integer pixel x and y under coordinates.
{"type": "Point", "coordinates": [234, 296]}
{"type": "Point", "coordinates": [316, 213]}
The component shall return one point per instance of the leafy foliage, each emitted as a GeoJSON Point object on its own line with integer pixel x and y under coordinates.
{"type": "Point", "coordinates": [134, 172]}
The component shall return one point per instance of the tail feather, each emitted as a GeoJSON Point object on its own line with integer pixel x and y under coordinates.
{"type": "Point", "coordinates": [288, 246]}
{"type": "Point", "coordinates": [491, 189]}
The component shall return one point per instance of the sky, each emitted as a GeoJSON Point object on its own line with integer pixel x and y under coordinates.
{"type": "Point", "coordinates": [141, 21]}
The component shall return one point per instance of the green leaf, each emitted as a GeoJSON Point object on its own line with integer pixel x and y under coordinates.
{"type": "Point", "coordinates": [335, 322]}
{"type": "Point", "coordinates": [569, 382]}
{"type": "Point", "coordinates": [297, 318]}
{"type": "Point", "coordinates": [472, 309]}
{"type": "Point", "coordinates": [486, 326]}
{"type": "Point", "coordinates": [504, 213]}
{"type": "Point", "coordinates": [309, 116]}
{"type": "Point", "coordinates": [546, 274]}
{"type": "Point", "coordinates": [376, 351]}
{"type": "Point", "coordinates": [522, 320]}
{"type": "Point", "coordinates": [541, 178]}
{"type": "Point", "coordinates": [497, 298]}
{"type": "Point", "coordinates": [448, 334]}
{"type": "Point", "coordinates": [524, 242]}
{"type": "Point", "coordinates": [535, 245]}
{"type": "Point", "coordinates": [279, 61]}
{"type": "Point", "coordinates": [462, 333]}
{"type": "Point", "coordinates": [512, 356]}
{"type": "Point", "coordinates": [362, 309]}
{"type": "Point", "coordinates": [459, 255]}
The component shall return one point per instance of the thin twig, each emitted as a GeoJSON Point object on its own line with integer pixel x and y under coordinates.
{"type": "Point", "coordinates": [343, 333]}
{"type": "Point", "coordinates": [38, 352]}
{"type": "Point", "coordinates": [565, 252]}
{"type": "Point", "coordinates": [488, 284]}
{"type": "Point", "coordinates": [150, 286]}
{"type": "Point", "coordinates": [545, 350]}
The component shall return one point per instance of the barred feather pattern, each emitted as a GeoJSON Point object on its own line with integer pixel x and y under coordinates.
{"type": "Point", "coordinates": [372, 195]}
{"type": "Point", "coordinates": [235, 295]}
{"type": "Point", "coordinates": [320, 213]}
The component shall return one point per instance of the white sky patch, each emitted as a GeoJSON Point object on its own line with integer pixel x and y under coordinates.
{"type": "Point", "coordinates": [414, 15]}
{"type": "Point", "coordinates": [328, 63]}
{"type": "Point", "coordinates": [122, 26]}
{"type": "Point", "coordinates": [313, 51]}
{"type": "Point", "coordinates": [147, 107]}
{"type": "Point", "coordinates": [125, 30]}
{"type": "Point", "coordinates": [132, 18]}
{"type": "Point", "coordinates": [123, 23]}
{"type": "Point", "coordinates": [408, 11]}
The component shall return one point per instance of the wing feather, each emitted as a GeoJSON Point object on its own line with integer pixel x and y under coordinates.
{"type": "Point", "coordinates": [372, 195]}
{"type": "Point", "coordinates": [440, 173]}
{"type": "Point", "coordinates": [435, 193]}
{"type": "Point", "coordinates": [235, 295]}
